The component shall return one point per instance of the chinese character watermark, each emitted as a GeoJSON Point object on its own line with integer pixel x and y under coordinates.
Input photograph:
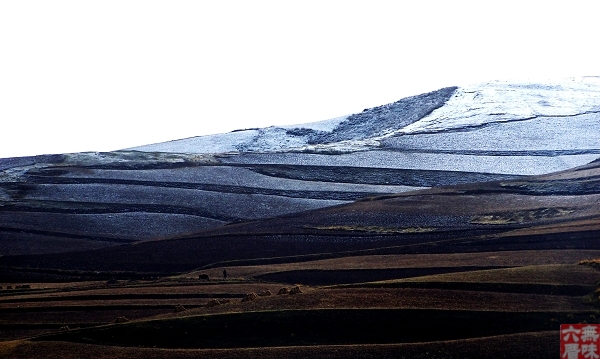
{"type": "Point", "coordinates": [579, 341]}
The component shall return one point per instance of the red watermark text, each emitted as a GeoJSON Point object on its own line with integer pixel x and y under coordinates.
{"type": "Point", "coordinates": [579, 341]}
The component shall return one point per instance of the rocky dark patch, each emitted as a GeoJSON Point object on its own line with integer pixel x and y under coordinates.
{"type": "Point", "coordinates": [371, 122]}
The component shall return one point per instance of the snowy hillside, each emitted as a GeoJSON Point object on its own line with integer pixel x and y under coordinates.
{"type": "Point", "coordinates": [494, 127]}
{"type": "Point", "coordinates": [445, 110]}
{"type": "Point", "coordinates": [371, 123]}
{"type": "Point", "coordinates": [494, 131]}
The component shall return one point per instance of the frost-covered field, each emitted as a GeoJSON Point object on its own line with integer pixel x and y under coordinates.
{"type": "Point", "coordinates": [516, 165]}
{"type": "Point", "coordinates": [557, 134]}
{"type": "Point", "coordinates": [211, 204]}
{"type": "Point", "coordinates": [109, 227]}
{"type": "Point", "coordinates": [218, 143]}
{"type": "Point", "coordinates": [236, 176]}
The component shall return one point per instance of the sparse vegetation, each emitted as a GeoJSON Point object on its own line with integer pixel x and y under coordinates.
{"type": "Point", "coordinates": [521, 216]}
{"type": "Point", "coordinates": [250, 297]}
{"type": "Point", "coordinates": [376, 229]}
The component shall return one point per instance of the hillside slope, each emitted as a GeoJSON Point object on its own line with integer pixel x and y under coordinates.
{"type": "Point", "coordinates": [558, 211]}
{"type": "Point", "coordinates": [488, 132]}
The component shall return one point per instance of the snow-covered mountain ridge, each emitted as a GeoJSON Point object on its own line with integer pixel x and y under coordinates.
{"type": "Point", "coordinates": [447, 110]}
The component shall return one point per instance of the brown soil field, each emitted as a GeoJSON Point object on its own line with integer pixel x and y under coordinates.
{"type": "Point", "coordinates": [32, 312]}
{"type": "Point", "coordinates": [517, 346]}
{"type": "Point", "coordinates": [66, 316]}
{"type": "Point", "coordinates": [324, 298]}
{"type": "Point", "coordinates": [572, 226]}
{"type": "Point", "coordinates": [558, 274]}
{"type": "Point", "coordinates": [45, 308]}
{"type": "Point", "coordinates": [503, 258]}
{"type": "Point", "coordinates": [53, 286]}
{"type": "Point", "coordinates": [160, 289]}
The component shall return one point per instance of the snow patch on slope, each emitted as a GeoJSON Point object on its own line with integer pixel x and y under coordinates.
{"type": "Point", "coordinates": [219, 143]}
{"type": "Point", "coordinates": [271, 139]}
{"type": "Point", "coordinates": [268, 139]}
{"type": "Point", "coordinates": [500, 101]}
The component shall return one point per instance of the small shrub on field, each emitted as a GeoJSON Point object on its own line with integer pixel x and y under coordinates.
{"type": "Point", "coordinates": [250, 297]}
{"type": "Point", "coordinates": [283, 291]}
{"type": "Point", "coordinates": [295, 290]}
{"type": "Point", "coordinates": [265, 293]}
{"type": "Point", "coordinates": [121, 320]}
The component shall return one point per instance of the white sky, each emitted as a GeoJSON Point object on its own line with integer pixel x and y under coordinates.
{"type": "Point", "coordinates": [105, 75]}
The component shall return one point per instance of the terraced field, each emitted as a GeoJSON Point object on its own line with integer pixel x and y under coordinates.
{"type": "Point", "coordinates": [93, 204]}
{"type": "Point", "coordinates": [461, 257]}
{"type": "Point", "coordinates": [165, 315]}
{"type": "Point", "coordinates": [462, 223]}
